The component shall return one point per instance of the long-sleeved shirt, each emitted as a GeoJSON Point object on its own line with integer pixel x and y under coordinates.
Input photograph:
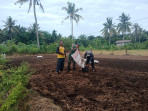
{"type": "Point", "coordinates": [88, 53]}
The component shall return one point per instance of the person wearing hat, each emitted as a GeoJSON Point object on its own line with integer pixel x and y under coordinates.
{"type": "Point", "coordinates": [70, 59]}
{"type": "Point", "coordinates": [89, 56]}
{"type": "Point", "coordinates": [61, 53]}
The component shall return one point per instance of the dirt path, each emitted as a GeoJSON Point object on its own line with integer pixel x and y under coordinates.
{"type": "Point", "coordinates": [119, 83]}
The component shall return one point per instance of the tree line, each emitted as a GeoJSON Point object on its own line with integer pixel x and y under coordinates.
{"type": "Point", "coordinates": [125, 28]}
{"type": "Point", "coordinates": [110, 32]}
{"type": "Point", "coordinates": [27, 36]}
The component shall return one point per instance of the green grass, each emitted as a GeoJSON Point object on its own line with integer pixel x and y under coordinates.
{"type": "Point", "coordinates": [122, 52]}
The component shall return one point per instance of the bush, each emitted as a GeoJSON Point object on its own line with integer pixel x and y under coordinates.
{"type": "Point", "coordinates": [82, 48]}
{"type": "Point", "coordinates": [146, 44]}
{"type": "Point", "coordinates": [12, 50]}
{"type": "Point", "coordinates": [67, 43]}
{"type": "Point", "coordinates": [12, 87]}
{"type": "Point", "coordinates": [43, 48]}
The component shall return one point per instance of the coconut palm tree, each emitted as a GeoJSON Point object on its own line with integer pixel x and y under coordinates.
{"type": "Point", "coordinates": [34, 2]}
{"type": "Point", "coordinates": [135, 30]}
{"type": "Point", "coordinates": [124, 25]}
{"type": "Point", "coordinates": [109, 29]}
{"type": "Point", "coordinates": [10, 27]}
{"type": "Point", "coordinates": [140, 32]}
{"type": "Point", "coordinates": [72, 14]}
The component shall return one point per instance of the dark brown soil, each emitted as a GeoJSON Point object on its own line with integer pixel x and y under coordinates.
{"type": "Point", "coordinates": [119, 83]}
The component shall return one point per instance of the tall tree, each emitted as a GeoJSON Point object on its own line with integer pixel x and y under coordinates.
{"type": "Point", "coordinates": [135, 31]}
{"type": "Point", "coordinates": [72, 14]}
{"type": "Point", "coordinates": [54, 36]}
{"type": "Point", "coordinates": [35, 2]}
{"type": "Point", "coordinates": [10, 27]}
{"type": "Point", "coordinates": [140, 33]}
{"type": "Point", "coordinates": [109, 28]}
{"type": "Point", "coordinates": [124, 25]}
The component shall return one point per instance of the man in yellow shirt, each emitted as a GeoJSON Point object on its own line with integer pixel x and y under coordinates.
{"type": "Point", "coordinates": [61, 53]}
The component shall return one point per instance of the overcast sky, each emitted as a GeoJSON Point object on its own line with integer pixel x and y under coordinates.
{"type": "Point", "coordinates": [94, 13]}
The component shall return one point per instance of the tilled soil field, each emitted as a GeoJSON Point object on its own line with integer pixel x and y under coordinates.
{"type": "Point", "coordinates": [117, 84]}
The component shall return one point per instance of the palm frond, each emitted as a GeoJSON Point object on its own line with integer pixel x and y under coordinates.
{"type": "Point", "coordinates": [41, 7]}
{"type": "Point", "coordinates": [21, 2]}
{"type": "Point", "coordinates": [76, 19]}
{"type": "Point", "coordinates": [16, 29]}
{"type": "Point", "coordinates": [30, 5]}
{"type": "Point", "coordinates": [65, 19]}
{"type": "Point", "coordinates": [65, 8]}
{"type": "Point", "coordinates": [77, 10]}
{"type": "Point", "coordinates": [78, 16]}
{"type": "Point", "coordinates": [4, 29]}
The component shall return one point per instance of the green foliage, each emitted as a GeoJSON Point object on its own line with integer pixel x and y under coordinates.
{"type": "Point", "coordinates": [12, 50]}
{"type": "Point", "coordinates": [146, 44]}
{"type": "Point", "coordinates": [15, 95]}
{"type": "Point", "coordinates": [12, 86]}
{"type": "Point", "coordinates": [82, 48]}
{"type": "Point", "coordinates": [67, 43]}
{"type": "Point", "coordinates": [28, 49]}
{"type": "Point", "coordinates": [24, 42]}
{"type": "Point", "coordinates": [52, 48]}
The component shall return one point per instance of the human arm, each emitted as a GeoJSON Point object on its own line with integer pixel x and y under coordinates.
{"type": "Point", "coordinates": [85, 55]}
{"type": "Point", "coordinates": [57, 51]}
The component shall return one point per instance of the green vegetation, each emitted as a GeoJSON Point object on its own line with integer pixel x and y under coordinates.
{"type": "Point", "coordinates": [16, 39]}
{"type": "Point", "coordinates": [34, 2]}
{"type": "Point", "coordinates": [13, 85]}
{"type": "Point", "coordinates": [124, 24]}
{"type": "Point", "coordinates": [95, 44]}
{"type": "Point", "coordinates": [109, 29]}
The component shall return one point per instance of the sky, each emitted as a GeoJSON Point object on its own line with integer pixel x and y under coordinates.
{"type": "Point", "coordinates": [94, 13]}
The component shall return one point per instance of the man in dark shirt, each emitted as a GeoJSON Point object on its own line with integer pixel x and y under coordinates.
{"type": "Point", "coordinates": [90, 58]}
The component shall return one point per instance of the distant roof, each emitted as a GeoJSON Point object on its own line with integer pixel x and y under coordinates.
{"type": "Point", "coordinates": [122, 41]}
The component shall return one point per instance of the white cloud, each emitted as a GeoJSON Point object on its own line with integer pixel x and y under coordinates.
{"type": "Point", "coordinates": [94, 14]}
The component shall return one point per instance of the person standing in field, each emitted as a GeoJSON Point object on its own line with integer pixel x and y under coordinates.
{"type": "Point", "coordinates": [70, 59]}
{"type": "Point", "coordinates": [89, 56]}
{"type": "Point", "coordinates": [61, 55]}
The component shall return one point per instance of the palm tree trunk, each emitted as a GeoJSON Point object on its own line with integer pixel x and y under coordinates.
{"type": "Point", "coordinates": [72, 28]}
{"type": "Point", "coordinates": [123, 36]}
{"type": "Point", "coordinates": [135, 38]}
{"type": "Point", "coordinates": [10, 34]}
{"type": "Point", "coordinates": [36, 24]}
{"type": "Point", "coordinates": [109, 40]}
{"type": "Point", "coordinates": [123, 33]}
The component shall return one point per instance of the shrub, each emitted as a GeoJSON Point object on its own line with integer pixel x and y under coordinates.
{"type": "Point", "coordinates": [12, 87]}
{"type": "Point", "coordinates": [12, 50]}
{"type": "Point", "coordinates": [146, 44]}
{"type": "Point", "coordinates": [82, 48]}
{"type": "Point", "coordinates": [43, 48]}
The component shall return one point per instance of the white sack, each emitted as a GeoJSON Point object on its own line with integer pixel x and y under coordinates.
{"type": "Point", "coordinates": [78, 59]}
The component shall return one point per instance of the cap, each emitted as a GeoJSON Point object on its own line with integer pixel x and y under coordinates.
{"type": "Point", "coordinates": [78, 44]}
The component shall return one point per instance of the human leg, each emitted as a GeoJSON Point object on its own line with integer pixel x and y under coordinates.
{"type": "Point", "coordinates": [62, 64]}
{"type": "Point", "coordinates": [58, 65]}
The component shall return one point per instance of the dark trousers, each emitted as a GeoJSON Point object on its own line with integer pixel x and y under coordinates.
{"type": "Point", "coordinates": [60, 64]}
{"type": "Point", "coordinates": [69, 63]}
{"type": "Point", "coordinates": [90, 59]}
